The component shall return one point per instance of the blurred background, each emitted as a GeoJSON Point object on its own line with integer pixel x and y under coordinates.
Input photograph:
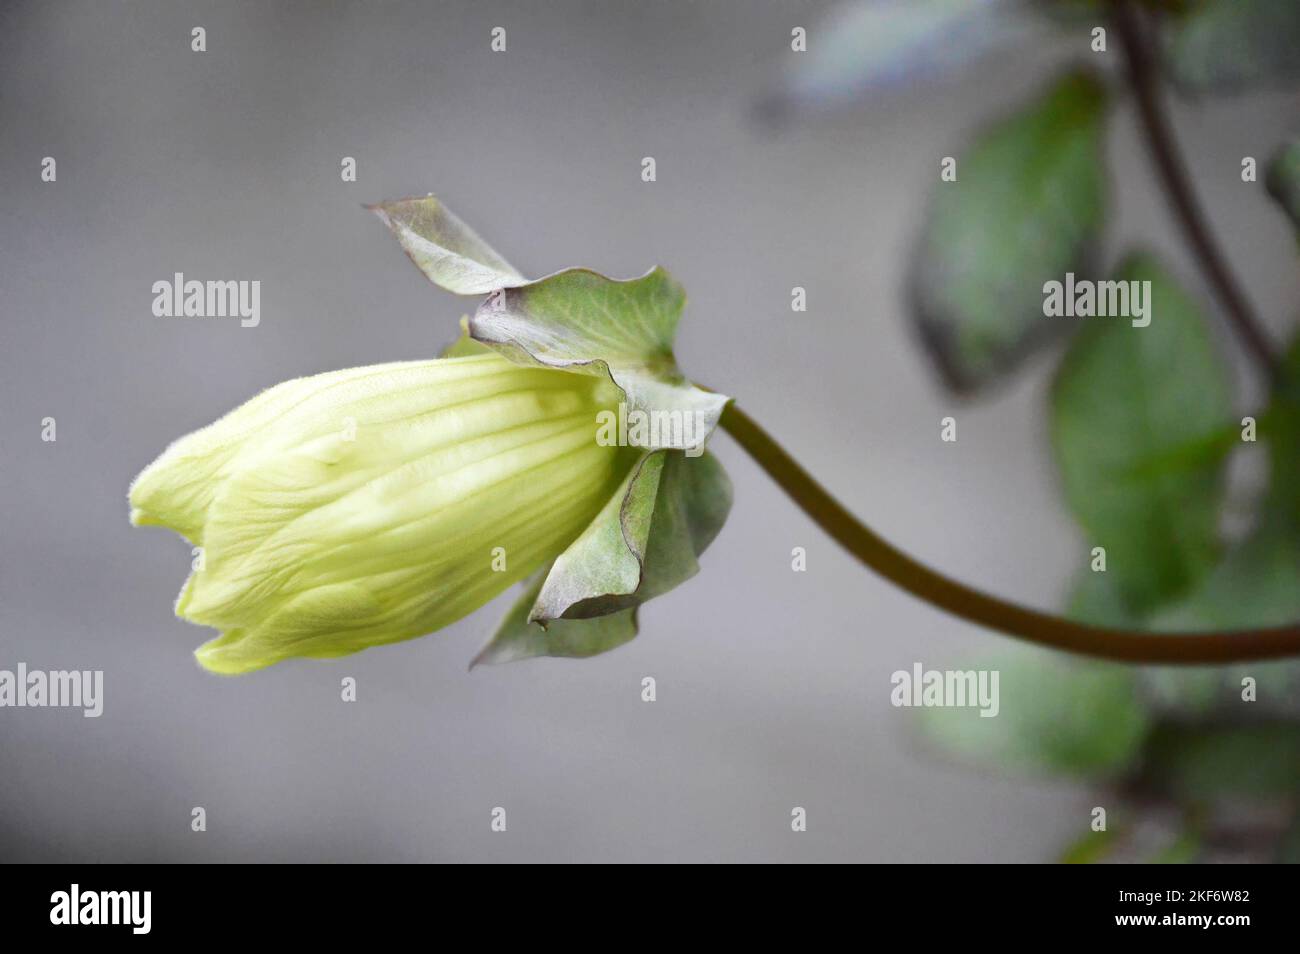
{"type": "Point", "coordinates": [773, 686]}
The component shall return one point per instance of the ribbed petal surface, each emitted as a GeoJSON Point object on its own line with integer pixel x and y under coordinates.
{"type": "Point", "coordinates": [362, 507]}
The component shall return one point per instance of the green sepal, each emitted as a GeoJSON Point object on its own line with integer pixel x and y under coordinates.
{"type": "Point", "coordinates": [447, 250]}
{"type": "Point", "coordinates": [575, 320]}
{"type": "Point", "coordinates": [517, 637]}
{"type": "Point", "coordinates": [646, 541]}
{"type": "Point", "coordinates": [580, 321]}
{"type": "Point", "coordinates": [675, 497]}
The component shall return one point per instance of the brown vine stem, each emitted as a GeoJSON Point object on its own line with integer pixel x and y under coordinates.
{"type": "Point", "coordinates": [1144, 79]}
{"type": "Point", "coordinates": [1046, 629]}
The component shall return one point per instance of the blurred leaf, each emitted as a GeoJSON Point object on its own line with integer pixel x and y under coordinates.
{"type": "Point", "coordinates": [1123, 395]}
{"type": "Point", "coordinates": [645, 541]}
{"type": "Point", "coordinates": [1055, 715]}
{"type": "Point", "coordinates": [1281, 430]}
{"type": "Point", "coordinates": [1283, 179]}
{"type": "Point", "coordinates": [1289, 851]}
{"type": "Point", "coordinates": [1071, 11]}
{"type": "Point", "coordinates": [1091, 847]}
{"type": "Point", "coordinates": [878, 45]}
{"type": "Point", "coordinates": [1210, 762]}
{"type": "Point", "coordinates": [1209, 449]}
{"type": "Point", "coordinates": [1257, 584]}
{"type": "Point", "coordinates": [1181, 851]}
{"type": "Point", "coordinates": [1095, 600]}
{"type": "Point", "coordinates": [516, 638]}
{"type": "Point", "coordinates": [1231, 45]}
{"type": "Point", "coordinates": [1027, 207]}
{"type": "Point", "coordinates": [1180, 689]}
{"type": "Point", "coordinates": [1187, 691]}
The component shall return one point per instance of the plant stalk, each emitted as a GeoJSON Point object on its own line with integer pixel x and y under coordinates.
{"type": "Point", "coordinates": [1045, 629]}
{"type": "Point", "coordinates": [1144, 80]}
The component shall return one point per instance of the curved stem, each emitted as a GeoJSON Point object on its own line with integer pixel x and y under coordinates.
{"type": "Point", "coordinates": [1145, 82]}
{"type": "Point", "coordinates": [970, 604]}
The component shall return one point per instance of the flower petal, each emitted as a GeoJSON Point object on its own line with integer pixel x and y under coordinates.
{"type": "Point", "coordinates": [363, 507]}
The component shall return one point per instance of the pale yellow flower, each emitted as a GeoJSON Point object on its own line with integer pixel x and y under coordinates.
{"type": "Point", "coordinates": [366, 506]}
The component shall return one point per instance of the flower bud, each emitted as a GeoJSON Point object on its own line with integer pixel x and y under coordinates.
{"type": "Point", "coordinates": [367, 506]}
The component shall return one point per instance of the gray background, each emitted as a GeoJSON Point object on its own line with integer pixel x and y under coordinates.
{"type": "Point", "coordinates": [773, 686]}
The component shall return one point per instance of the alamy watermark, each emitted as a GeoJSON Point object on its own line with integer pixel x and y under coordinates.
{"type": "Point", "coordinates": [632, 427]}
{"type": "Point", "coordinates": [946, 688]}
{"type": "Point", "coordinates": [58, 688]}
{"type": "Point", "coordinates": [1089, 299]}
{"type": "Point", "coordinates": [75, 906]}
{"type": "Point", "coordinates": [180, 298]}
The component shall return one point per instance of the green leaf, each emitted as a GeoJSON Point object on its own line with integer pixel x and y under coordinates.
{"type": "Point", "coordinates": [1096, 600]}
{"type": "Point", "coordinates": [1091, 847]}
{"type": "Point", "coordinates": [1123, 395]}
{"type": "Point", "coordinates": [517, 637]}
{"type": "Point", "coordinates": [447, 250]}
{"type": "Point", "coordinates": [1213, 762]}
{"type": "Point", "coordinates": [645, 542]}
{"type": "Point", "coordinates": [1055, 716]}
{"type": "Point", "coordinates": [1289, 850]}
{"type": "Point", "coordinates": [1281, 430]}
{"type": "Point", "coordinates": [883, 45]}
{"type": "Point", "coordinates": [1256, 585]}
{"type": "Point", "coordinates": [1183, 850]}
{"type": "Point", "coordinates": [1026, 208]}
{"type": "Point", "coordinates": [1231, 45]}
{"type": "Point", "coordinates": [1283, 180]}
{"type": "Point", "coordinates": [1180, 689]}
{"type": "Point", "coordinates": [581, 321]}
